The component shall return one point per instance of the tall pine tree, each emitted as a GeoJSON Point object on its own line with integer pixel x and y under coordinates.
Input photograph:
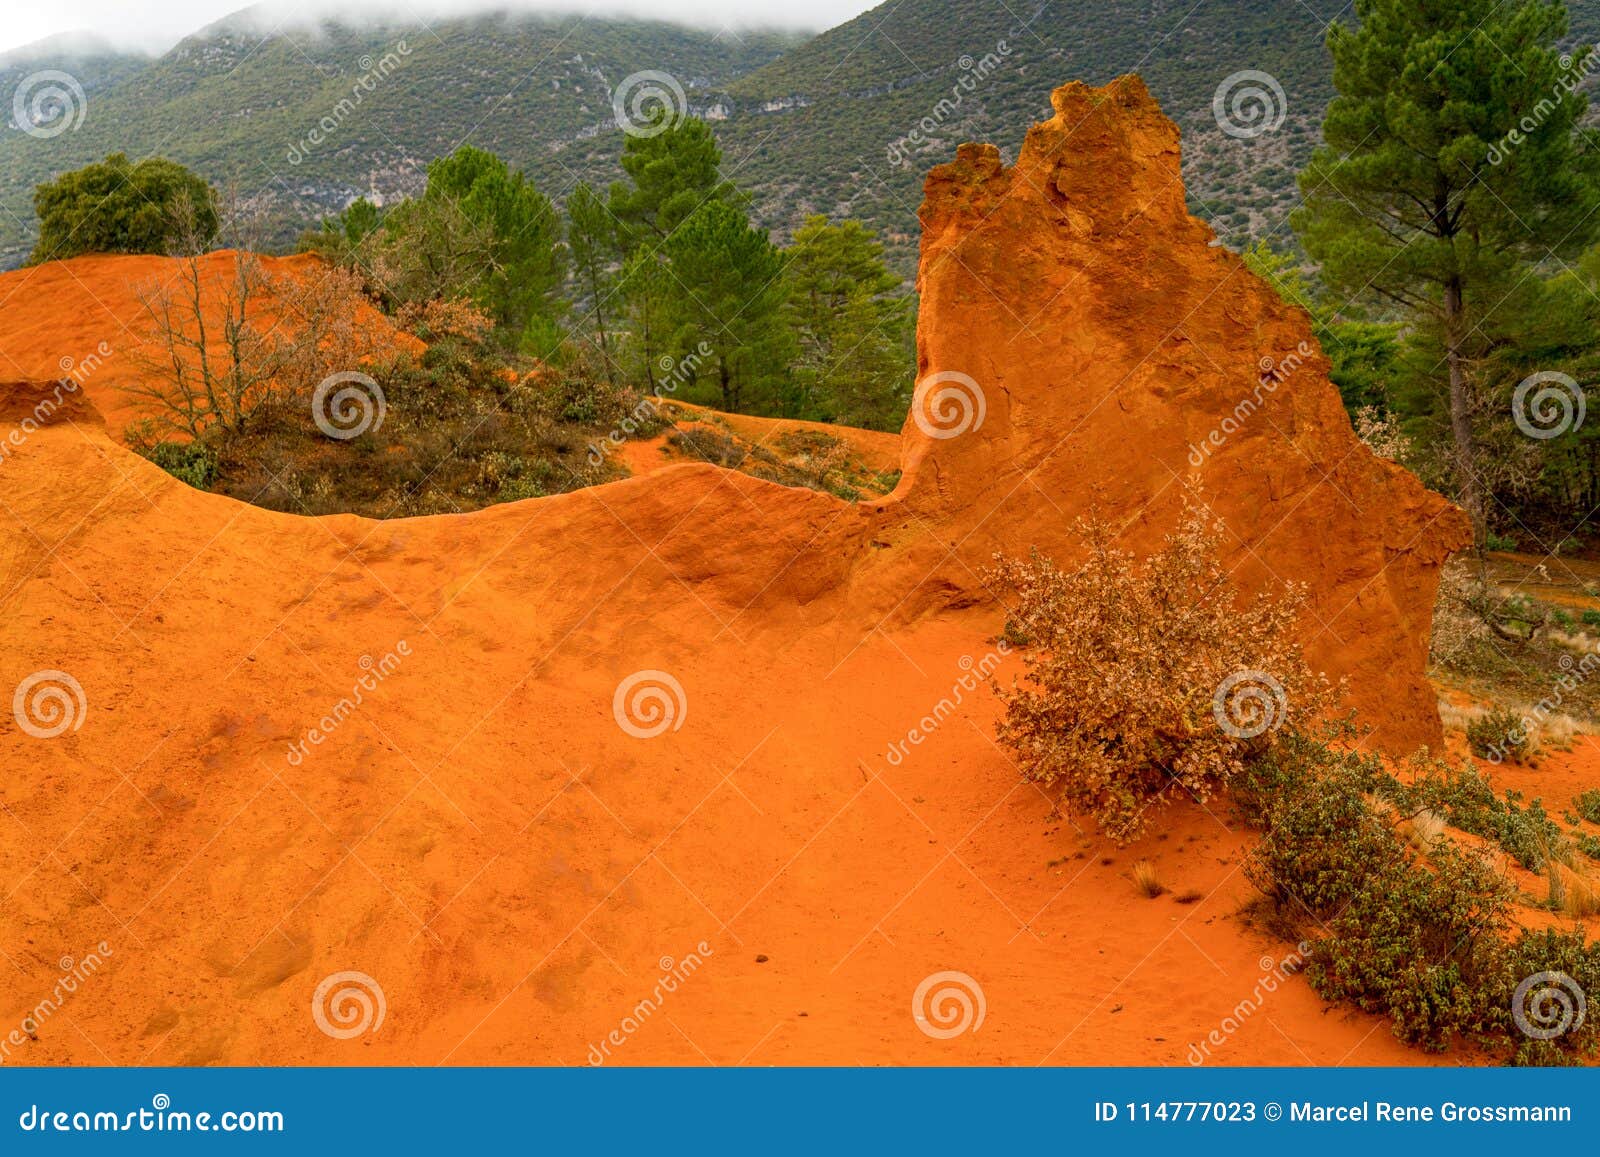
{"type": "Point", "coordinates": [1451, 163]}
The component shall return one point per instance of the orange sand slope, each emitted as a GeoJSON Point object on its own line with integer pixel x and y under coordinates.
{"type": "Point", "coordinates": [692, 767]}
{"type": "Point", "coordinates": [83, 319]}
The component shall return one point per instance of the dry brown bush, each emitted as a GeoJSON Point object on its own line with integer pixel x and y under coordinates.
{"type": "Point", "coordinates": [1145, 676]}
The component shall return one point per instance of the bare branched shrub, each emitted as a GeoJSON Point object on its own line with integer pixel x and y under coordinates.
{"type": "Point", "coordinates": [1470, 613]}
{"type": "Point", "coordinates": [1148, 676]}
{"type": "Point", "coordinates": [206, 363]}
{"type": "Point", "coordinates": [226, 339]}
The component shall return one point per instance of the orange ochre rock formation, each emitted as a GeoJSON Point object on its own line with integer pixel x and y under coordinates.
{"type": "Point", "coordinates": [690, 767]}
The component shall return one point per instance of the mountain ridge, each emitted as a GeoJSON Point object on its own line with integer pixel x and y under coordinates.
{"type": "Point", "coordinates": [846, 122]}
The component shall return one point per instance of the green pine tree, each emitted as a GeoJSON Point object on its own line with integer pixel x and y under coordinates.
{"type": "Point", "coordinates": [726, 295]}
{"type": "Point", "coordinates": [1451, 161]}
{"type": "Point", "coordinates": [852, 325]}
{"type": "Point", "coordinates": [593, 243]}
{"type": "Point", "coordinates": [520, 284]}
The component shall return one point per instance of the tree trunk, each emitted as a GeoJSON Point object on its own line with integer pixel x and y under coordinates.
{"type": "Point", "coordinates": [1467, 483]}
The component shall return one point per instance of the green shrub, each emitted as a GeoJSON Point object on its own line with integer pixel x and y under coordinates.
{"type": "Point", "coordinates": [1464, 799]}
{"type": "Point", "coordinates": [191, 462]}
{"type": "Point", "coordinates": [1425, 938]}
{"type": "Point", "coordinates": [1499, 736]}
{"type": "Point", "coordinates": [1588, 804]}
{"type": "Point", "coordinates": [117, 206]}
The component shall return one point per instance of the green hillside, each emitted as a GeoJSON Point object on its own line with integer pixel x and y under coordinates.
{"type": "Point", "coordinates": [849, 95]}
{"type": "Point", "coordinates": [845, 123]}
{"type": "Point", "coordinates": [241, 107]}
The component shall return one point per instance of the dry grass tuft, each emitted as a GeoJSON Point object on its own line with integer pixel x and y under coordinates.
{"type": "Point", "coordinates": [1148, 880]}
{"type": "Point", "coordinates": [1572, 892]}
{"type": "Point", "coordinates": [1423, 830]}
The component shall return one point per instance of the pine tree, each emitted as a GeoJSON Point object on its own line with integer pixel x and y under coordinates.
{"type": "Point", "coordinates": [727, 295]}
{"type": "Point", "coordinates": [672, 172]}
{"type": "Point", "coordinates": [1452, 161]}
{"type": "Point", "coordinates": [520, 285]}
{"type": "Point", "coordinates": [592, 240]}
{"type": "Point", "coordinates": [855, 363]}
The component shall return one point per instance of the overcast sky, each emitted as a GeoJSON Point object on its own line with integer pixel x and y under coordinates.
{"type": "Point", "coordinates": [155, 25]}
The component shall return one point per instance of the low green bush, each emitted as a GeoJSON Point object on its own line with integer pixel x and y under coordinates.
{"type": "Point", "coordinates": [191, 462]}
{"type": "Point", "coordinates": [1425, 937]}
{"type": "Point", "coordinates": [1499, 736]}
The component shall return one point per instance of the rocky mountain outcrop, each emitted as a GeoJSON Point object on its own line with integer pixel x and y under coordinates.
{"type": "Point", "coordinates": [1085, 345]}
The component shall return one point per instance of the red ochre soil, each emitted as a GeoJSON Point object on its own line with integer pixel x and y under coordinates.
{"type": "Point", "coordinates": [481, 838]}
